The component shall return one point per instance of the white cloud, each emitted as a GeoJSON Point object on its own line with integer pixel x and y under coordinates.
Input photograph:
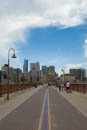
{"type": "Point", "coordinates": [76, 66]}
{"type": "Point", "coordinates": [67, 67]}
{"type": "Point", "coordinates": [16, 16]}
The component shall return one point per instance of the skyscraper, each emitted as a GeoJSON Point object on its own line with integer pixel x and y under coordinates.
{"type": "Point", "coordinates": [51, 68]}
{"type": "Point", "coordinates": [35, 71]}
{"type": "Point", "coordinates": [25, 66]}
{"type": "Point", "coordinates": [80, 74]}
{"type": "Point", "coordinates": [35, 66]}
{"type": "Point", "coordinates": [45, 70]}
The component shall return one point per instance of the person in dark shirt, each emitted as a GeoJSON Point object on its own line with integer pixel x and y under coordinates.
{"type": "Point", "coordinates": [59, 85]}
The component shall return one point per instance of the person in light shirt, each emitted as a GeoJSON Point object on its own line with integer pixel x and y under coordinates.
{"type": "Point", "coordinates": [67, 85]}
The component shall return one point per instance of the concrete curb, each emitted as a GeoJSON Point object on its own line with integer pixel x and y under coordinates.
{"type": "Point", "coordinates": [14, 94]}
{"type": "Point", "coordinates": [80, 94]}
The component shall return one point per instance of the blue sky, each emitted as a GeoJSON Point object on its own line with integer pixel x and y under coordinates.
{"type": "Point", "coordinates": [53, 46]}
{"type": "Point", "coordinates": [52, 32]}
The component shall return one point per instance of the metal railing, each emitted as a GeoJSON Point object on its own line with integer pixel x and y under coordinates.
{"type": "Point", "coordinates": [79, 87]}
{"type": "Point", "coordinates": [82, 88]}
{"type": "Point", "coordinates": [15, 88]}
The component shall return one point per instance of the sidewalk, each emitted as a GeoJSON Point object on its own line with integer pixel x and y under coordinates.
{"type": "Point", "coordinates": [80, 94]}
{"type": "Point", "coordinates": [13, 94]}
{"type": "Point", "coordinates": [79, 101]}
{"type": "Point", "coordinates": [8, 106]}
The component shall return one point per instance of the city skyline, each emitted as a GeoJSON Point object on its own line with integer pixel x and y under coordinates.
{"type": "Point", "coordinates": [43, 64]}
{"type": "Point", "coordinates": [51, 32]}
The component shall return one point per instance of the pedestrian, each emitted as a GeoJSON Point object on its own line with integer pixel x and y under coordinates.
{"type": "Point", "coordinates": [59, 85]}
{"type": "Point", "coordinates": [67, 86]}
{"type": "Point", "coordinates": [62, 87]}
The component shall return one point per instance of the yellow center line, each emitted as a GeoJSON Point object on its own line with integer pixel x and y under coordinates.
{"type": "Point", "coordinates": [41, 116]}
{"type": "Point", "coordinates": [40, 127]}
{"type": "Point", "coordinates": [49, 116]}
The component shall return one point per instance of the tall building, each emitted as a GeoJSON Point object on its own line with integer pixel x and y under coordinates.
{"type": "Point", "coordinates": [44, 70]}
{"type": "Point", "coordinates": [3, 77]}
{"type": "Point", "coordinates": [51, 68]}
{"type": "Point", "coordinates": [80, 74]}
{"type": "Point", "coordinates": [56, 75]}
{"type": "Point", "coordinates": [67, 77]}
{"type": "Point", "coordinates": [17, 75]}
{"type": "Point", "coordinates": [32, 66]}
{"type": "Point", "coordinates": [48, 74]}
{"type": "Point", "coordinates": [35, 66]}
{"type": "Point", "coordinates": [25, 66]}
{"type": "Point", "coordinates": [35, 71]}
{"type": "Point", "coordinates": [5, 68]}
{"type": "Point", "coordinates": [51, 71]}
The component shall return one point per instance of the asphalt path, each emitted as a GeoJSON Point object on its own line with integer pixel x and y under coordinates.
{"type": "Point", "coordinates": [27, 115]}
{"type": "Point", "coordinates": [63, 115]}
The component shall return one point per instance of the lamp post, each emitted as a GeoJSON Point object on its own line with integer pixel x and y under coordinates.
{"type": "Point", "coordinates": [13, 56]}
{"type": "Point", "coordinates": [81, 75]}
{"type": "Point", "coordinates": [63, 70]}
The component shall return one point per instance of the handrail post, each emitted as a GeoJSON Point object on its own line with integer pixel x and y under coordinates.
{"type": "Point", "coordinates": [84, 89]}
{"type": "Point", "coordinates": [0, 90]}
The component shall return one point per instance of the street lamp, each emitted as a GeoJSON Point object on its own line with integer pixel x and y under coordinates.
{"type": "Point", "coordinates": [13, 56]}
{"type": "Point", "coordinates": [63, 70]}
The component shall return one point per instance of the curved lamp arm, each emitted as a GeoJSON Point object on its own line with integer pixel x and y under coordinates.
{"type": "Point", "coordinates": [11, 49]}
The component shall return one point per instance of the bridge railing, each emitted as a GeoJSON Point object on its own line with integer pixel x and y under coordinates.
{"type": "Point", "coordinates": [79, 87]}
{"type": "Point", "coordinates": [15, 87]}
{"type": "Point", "coordinates": [82, 88]}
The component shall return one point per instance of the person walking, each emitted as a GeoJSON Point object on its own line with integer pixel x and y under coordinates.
{"type": "Point", "coordinates": [59, 85]}
{"type": "Point", "coordinates": [62, 87]}
{"type": "Point", "coordinates": [67, 86]}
